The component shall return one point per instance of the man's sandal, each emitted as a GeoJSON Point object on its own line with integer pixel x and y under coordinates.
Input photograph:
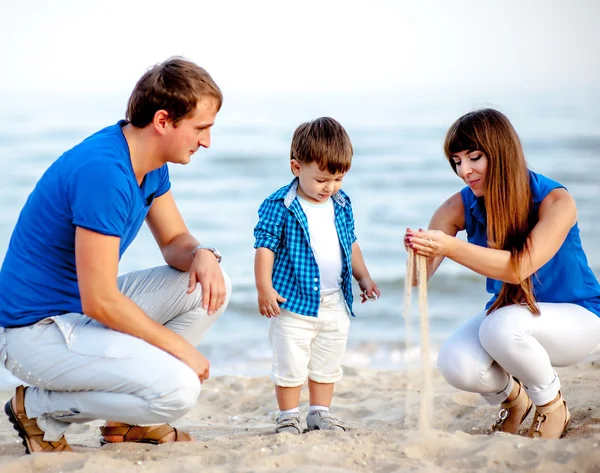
{"type": "Point", "coordinates": [541, 414]}
{"type": "Point", "coordinates": [505, 412]}
{"type": "Point", "coordinates": [134, 433]}
{"type": "Point", "coordinates": [28, 429]}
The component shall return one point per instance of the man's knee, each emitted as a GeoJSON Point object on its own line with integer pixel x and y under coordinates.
{"type": "Point", "coordinates": [227, 288]}
{"type": "Point", "coordinates": [198, 294]}
{"type": "Point", "coordinates": [179, 398]}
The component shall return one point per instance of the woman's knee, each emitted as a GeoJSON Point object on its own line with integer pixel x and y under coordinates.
{"type": "Point", "coordinates": [459, 368]}
{"type": "Point", "coordinates": [502, 330]}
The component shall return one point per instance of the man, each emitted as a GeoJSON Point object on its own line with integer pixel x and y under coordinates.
{"type": "Point", "coordinates": [89, 344]}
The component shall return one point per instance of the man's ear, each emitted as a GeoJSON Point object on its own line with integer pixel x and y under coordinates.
{"type": "Point", "coordinates": [161, 119]}
{"type": "Point", "coordinates": [295, 167]}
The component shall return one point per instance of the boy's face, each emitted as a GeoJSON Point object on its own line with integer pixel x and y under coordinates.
{"type": "Point", "coordinates": [315, 186]}
{"type": "Point", "coordinates": [190, 133]}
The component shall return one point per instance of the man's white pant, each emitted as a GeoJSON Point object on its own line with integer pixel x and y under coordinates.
{"type": "Point", "coordinates": [80, 370]}
{"type": "Point", "coordinates": [483, 352]}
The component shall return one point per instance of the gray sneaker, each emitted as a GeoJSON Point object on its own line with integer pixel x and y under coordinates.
{"type": "Point", "coordinates": [323, 420]}
{"type": "Point", "coordinates": [288, 423]}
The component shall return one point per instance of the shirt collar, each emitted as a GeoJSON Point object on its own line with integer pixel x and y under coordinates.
{"type": "Point", "coordinates": [292, 193]}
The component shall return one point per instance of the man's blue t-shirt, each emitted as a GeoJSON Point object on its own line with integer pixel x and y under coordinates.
{"type": "Point", "coordinates": [91, 186]}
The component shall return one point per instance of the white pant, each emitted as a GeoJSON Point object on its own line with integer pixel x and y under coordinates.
{"type": "Point", "coordinates": [81, 370]}
{"type": "Point", "coordinates": [483, 352]}
{"type": "Point", "coordinates": [310, 346]}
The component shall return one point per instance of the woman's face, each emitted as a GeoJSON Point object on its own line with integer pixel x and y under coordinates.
{"type": "Point", "coordinates": [471, 167]}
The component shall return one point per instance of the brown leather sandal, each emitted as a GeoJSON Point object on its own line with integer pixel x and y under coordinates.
{"type": "Point", "coordinates": [505, 413]}
{"type": "Point", "coordinates": [28, 429]}
{"type": "Point", "coordinates": [541, 413]}
{"type": "Point", "coordinates": [135, 433]}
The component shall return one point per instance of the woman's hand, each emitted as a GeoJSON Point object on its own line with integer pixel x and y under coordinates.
{"type": "Point", "coordinates": [429, 243]}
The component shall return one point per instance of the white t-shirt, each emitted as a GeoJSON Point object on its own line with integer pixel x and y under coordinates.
{"type": "Point", "coordinates": [325, 243]}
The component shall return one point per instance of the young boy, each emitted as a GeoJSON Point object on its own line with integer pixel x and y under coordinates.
{"type": "Point", "coordinates": [306, 254]}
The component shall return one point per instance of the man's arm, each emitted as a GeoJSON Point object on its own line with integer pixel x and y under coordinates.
{"type": "Point", "coordinates": [176, 244]}
{"type": "Point", "coordinates": [97, 259]}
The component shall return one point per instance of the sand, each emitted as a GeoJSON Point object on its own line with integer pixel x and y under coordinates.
{"type": "Point", "coordinates": [234, 418]}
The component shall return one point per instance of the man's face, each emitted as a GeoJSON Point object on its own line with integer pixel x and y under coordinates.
{"type": "Point", "coordinates": [191, 133]}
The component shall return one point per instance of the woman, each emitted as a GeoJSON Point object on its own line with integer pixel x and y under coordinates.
{"type": "Point", "coordinates": [523, 236]}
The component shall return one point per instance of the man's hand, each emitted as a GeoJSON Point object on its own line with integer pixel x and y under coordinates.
{"type": "Point", "coordinates": [206, 271]}
{"type": "Point", "coordinates": [268, 302]}
{"type": "Point", "coordinates": [197, 362]}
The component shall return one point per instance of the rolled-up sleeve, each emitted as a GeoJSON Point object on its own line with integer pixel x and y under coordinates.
{"type": "Point", "coordinates": [269, 229]}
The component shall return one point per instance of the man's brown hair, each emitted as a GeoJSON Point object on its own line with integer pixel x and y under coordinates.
{"type": "Point", "coordinates": [325, 142]}
{"type": "Point", "coordinates": [176, 85]}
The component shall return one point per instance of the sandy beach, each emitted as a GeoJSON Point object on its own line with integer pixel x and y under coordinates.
{"type": "Point", "coordinates": [234, 418]}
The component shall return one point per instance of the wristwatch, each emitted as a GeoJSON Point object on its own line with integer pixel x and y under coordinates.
{"type": "Point", "coordinates": [212, 249]}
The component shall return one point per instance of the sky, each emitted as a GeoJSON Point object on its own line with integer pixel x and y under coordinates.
{"type": "Point", "coordinates": [269, 46]}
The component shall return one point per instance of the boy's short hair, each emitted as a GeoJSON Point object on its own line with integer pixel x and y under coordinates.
{"type": "Point", "coordinates": [176, 85]}
{"type": "Point", "coordinates": [325, 142]}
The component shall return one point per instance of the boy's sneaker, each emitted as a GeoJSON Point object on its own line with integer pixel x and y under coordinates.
{"type": "Point", "coordinates": [323, 420]}
{"type": "Point", "coordinates": [288, 423]}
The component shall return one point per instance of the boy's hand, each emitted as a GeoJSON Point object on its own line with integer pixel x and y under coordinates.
{"type": "Point", "coordinates": [369, 289]}
{"type": "Point", "coordinates": [268, 302]}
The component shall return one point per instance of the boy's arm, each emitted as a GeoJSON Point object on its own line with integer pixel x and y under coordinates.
{"type": "Point", "coordinates": [359, 267]}
{"type": "Point", "coordinates": [361, 274]}
{"type": "Point", "coordinates": [263, 268]}
{"type": "Point", "coordinates": [268, 233]}
{"type": "Point", "coordinates": [268, 297]}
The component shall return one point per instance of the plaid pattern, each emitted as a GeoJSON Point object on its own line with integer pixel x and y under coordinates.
{"type": "Point", "coordinates": [282, 227]}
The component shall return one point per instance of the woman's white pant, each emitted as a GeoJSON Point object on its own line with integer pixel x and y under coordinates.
{"type": "Point", "coordinates": [487, 351]}
{"type": "Point", "coordinates": [80, 370]}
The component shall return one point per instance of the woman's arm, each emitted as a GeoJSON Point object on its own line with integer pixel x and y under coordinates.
{"type": "Point", "coordinates": [557, 214]}
{"type": "Point", "coordinates": [449, 218]}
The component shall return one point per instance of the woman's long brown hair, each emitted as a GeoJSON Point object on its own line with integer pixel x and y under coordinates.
{"type": "Point", "coordinates": [508, 200]}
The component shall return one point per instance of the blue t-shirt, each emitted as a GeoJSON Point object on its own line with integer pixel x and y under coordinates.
{"type": "Point", "coordinates": [91, 186]}
{"type": "Point", "coordinates": [567, 277]}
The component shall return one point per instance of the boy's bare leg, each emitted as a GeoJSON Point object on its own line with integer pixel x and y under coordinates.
{"type": "Point", "coordinates": [288, 397]}
{"type": "Point", "coordinates": [321, 394]}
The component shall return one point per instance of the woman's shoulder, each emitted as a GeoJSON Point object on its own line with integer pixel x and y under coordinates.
{"type": "Point", "coordinates": [541, 186]}
{"type": "Point", "coordinates": [450, 215]}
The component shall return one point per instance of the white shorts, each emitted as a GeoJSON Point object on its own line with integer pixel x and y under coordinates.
{"type": "Point", "coordinates": [310, 346]}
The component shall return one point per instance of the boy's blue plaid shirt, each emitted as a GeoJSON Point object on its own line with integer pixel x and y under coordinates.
{"type": "Point", "coordinates": [282, 227]}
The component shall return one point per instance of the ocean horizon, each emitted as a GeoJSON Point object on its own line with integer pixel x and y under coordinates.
{"type": "Point", "coordinates": [399, 177]}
